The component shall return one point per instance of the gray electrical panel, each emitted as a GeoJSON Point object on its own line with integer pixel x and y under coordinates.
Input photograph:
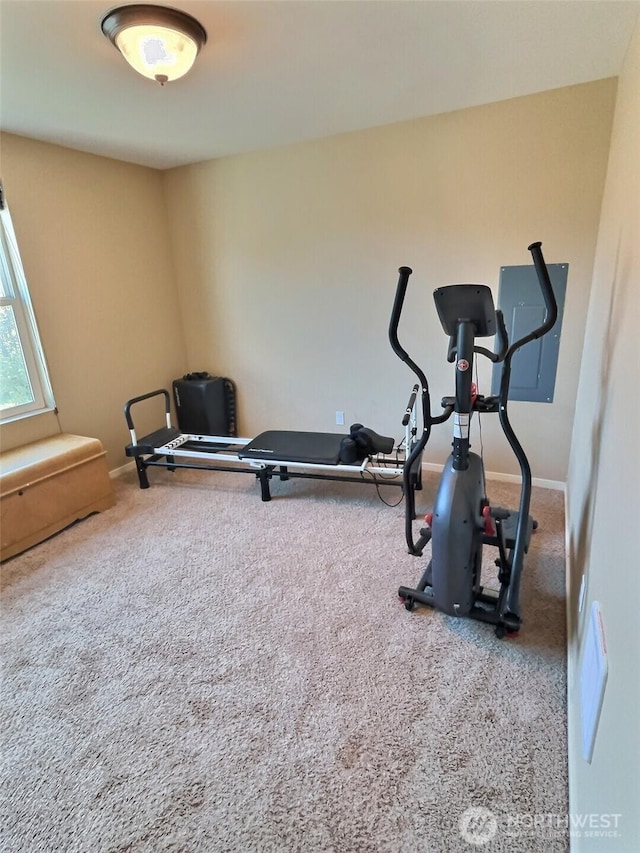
{"type": "Point", "coordinates": [533, 369]}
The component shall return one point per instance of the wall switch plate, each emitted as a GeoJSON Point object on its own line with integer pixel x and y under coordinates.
{"type": "Point", "coordinates": [340, 418]}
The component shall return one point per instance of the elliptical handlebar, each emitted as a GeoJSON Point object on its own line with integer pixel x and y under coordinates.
{"type": "Point", "coordinates": [397, 347]}
{"type": "Point", "coordinates": [503, 343]}
{"type": "Point", "coordinates": [547, 292]}
{"type": "Point", "coordinates": [503, 337]}
{"type": "Point", "coordinates": [513, 595]}
{"type": "Point", "coordinates": [414, 456]}
{"type": "Point", "coordinates": [396, 311]}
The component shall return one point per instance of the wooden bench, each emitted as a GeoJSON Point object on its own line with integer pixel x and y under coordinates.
{"type": "Point", "coordinates": [47, 485]}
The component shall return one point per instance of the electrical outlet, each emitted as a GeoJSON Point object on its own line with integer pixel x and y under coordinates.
{"type": "Point", "coordinates": [339, 418]}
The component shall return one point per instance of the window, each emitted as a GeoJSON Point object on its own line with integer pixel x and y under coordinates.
{"type": "Point", "coordinates": [24, 383]}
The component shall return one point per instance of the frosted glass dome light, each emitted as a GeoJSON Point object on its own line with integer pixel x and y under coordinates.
{"type": "Point", "coordinates": [158, 42]}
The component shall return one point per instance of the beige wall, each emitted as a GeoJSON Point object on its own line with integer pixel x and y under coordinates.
{"type": "Point", "coordinates": [93, 234]}
{"type": "Point", "coordinates": [287, 260]}
{"type": "Point", "coordinates": [286, 263]}
{"type": "Point", "coordinates": [603, 482]}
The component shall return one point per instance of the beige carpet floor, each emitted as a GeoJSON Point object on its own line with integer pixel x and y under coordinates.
{"type": "Point", "coordinates": [196, 670]}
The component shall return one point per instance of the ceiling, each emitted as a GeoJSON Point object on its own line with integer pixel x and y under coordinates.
{"type": "Point", "coordinates": [275, 72]}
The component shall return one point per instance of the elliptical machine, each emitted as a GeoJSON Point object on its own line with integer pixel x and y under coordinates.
{"type": "Point", "coordinates": [463, 520]}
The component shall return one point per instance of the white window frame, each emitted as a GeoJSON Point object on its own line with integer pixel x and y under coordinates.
{"type": "Point", "coordinates": [19, 299]}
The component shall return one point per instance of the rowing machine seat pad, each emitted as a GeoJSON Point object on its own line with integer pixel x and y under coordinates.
{"type": "Point", "coordinates": [318, 448]}
{"type": "Point", "coordinates": [321, 448]}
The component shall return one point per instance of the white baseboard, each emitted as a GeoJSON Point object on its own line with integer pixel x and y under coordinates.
{"type": "Point", "coordinates": [118, 472]}
{"type": "Point", "coordinates": [558, 485]}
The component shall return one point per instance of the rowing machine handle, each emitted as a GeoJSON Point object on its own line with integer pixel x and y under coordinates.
{"type": "Point", "coordinates": [133, 400]}
{"type": "Point", "coordinates": [410, 404]}
{"type": "Point", "coordinates": [547, 290]}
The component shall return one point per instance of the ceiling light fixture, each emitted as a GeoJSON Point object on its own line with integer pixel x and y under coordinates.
{"type": "Point", "coordinates": [159, 42]}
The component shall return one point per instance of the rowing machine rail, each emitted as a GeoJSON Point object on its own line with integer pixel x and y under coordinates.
{"type": "Point", "coordinates": [264, 456]}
